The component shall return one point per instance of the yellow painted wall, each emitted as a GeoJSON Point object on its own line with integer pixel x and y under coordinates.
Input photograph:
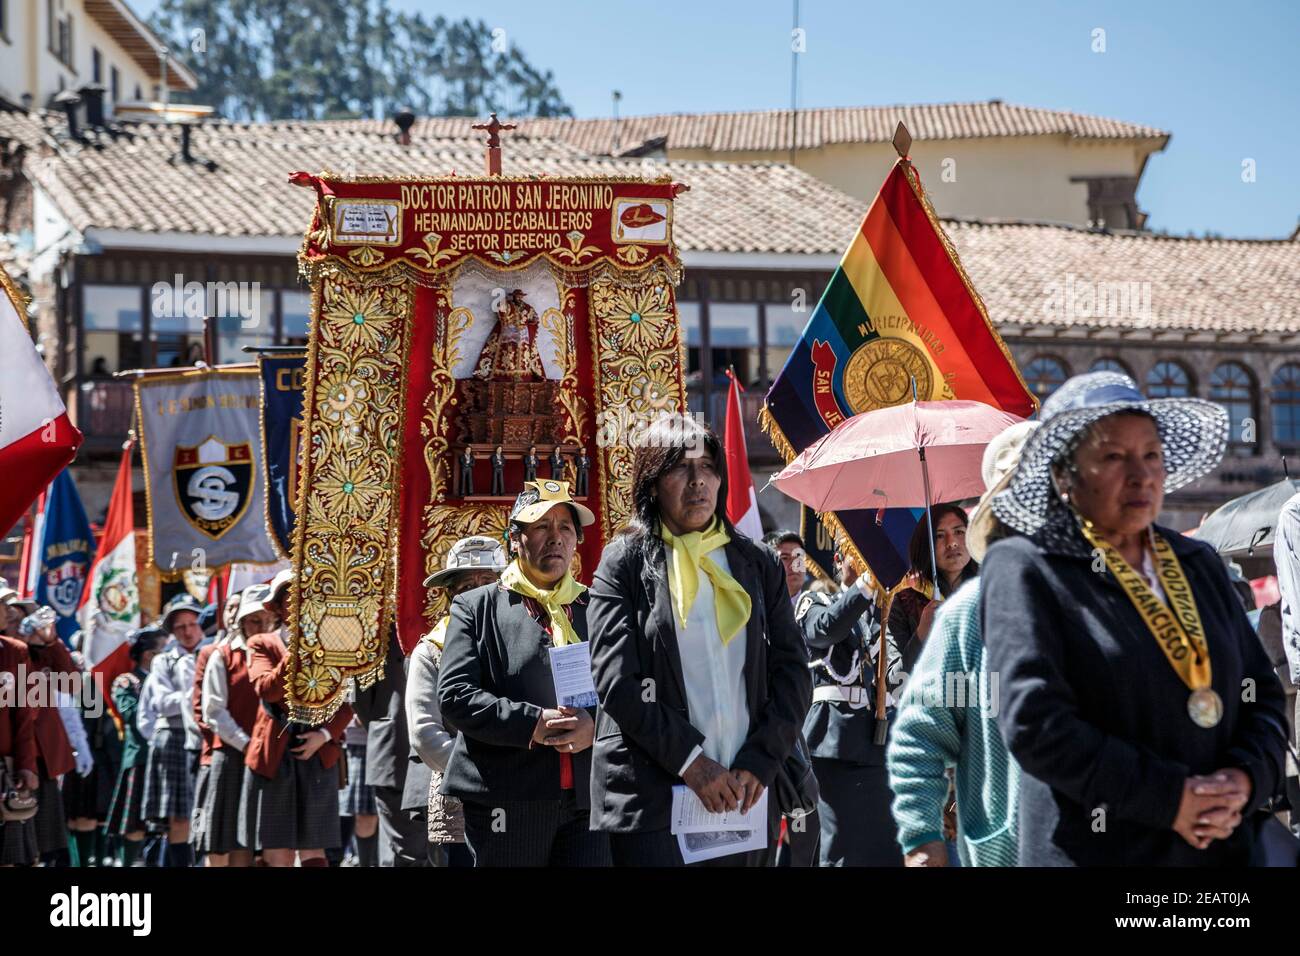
{"type": "Point", "coordinates": [1013, 177]}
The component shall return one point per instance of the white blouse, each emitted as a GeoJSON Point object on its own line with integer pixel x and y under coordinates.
{"type": "Point", "coordinates": [714, 674]}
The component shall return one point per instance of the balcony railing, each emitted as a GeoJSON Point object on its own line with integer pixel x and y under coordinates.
{"type": "Point", "coordinates": [105, 407]}
{"type": "Point", "coordinates": [756, 442]}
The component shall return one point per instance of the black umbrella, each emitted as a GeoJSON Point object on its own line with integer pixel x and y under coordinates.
{"type": "Point", "coordinates": [1243, 528]}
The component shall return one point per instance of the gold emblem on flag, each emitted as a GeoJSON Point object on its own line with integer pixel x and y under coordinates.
{"type": "Point", "coordinates": [879, 375]}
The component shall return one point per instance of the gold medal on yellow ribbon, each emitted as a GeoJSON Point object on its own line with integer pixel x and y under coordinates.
{"type": "Point", "coordinates": [1176, 627]}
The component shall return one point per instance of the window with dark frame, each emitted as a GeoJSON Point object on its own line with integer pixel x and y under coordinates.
{"type": "Point", "coordinates": [1232, 386]}
{"type": "Point", "coordinates": [1110, 365]}
{"type": "Point", "coordinates": [96, 65]}
{"type": "Point", "coordinates": [1169, 379]}
{"type": "Point", "coordinates": [1286, 405]}
{"type": "Point", "coordinates": [1045, 374]}
{"type": "Point", "coordinates": [60, 35]}
{"type": "Point", "coordinates": [114, 83]}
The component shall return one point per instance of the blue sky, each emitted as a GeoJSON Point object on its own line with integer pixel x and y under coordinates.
{"type": "Point", "coordinates": [1222, 77]}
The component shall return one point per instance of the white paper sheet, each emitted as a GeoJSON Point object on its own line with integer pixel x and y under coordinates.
{"type": "Point", "coordinates": [697, 847]}
{"type": "Point", "coordinates": [702, 835]}
{"type": "Point", "coordinates": [690, 816]}
{"type": "Point", "coordinates": [571, 671]}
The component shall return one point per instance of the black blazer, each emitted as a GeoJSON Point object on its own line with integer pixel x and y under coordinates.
{"type": "Point", "coordinates": [381, 711]}
{"type": "Point", "coordinates": [493, 683]}
{"type": "Point", "coordinates": [643, 730]}
{"type": "Point", "coordinates": [1097, 718]}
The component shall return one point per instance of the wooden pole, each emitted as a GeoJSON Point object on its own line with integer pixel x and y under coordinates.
{"type": "Point", "coordinates": [210, 340]}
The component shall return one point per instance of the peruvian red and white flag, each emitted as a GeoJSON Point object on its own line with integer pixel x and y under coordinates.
{"type": "Point", "coordinates": [36, 438]}
{"type": "Point", "coordinates": [110, 602]}
{"type": "Point", "coordinates": [742, 500]}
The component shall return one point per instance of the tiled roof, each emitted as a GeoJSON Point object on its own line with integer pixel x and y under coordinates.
{"type": "Point", "coordinates": [771, 129]}
{"type": "Point", "coordinates": [134, 184]}
{"type": "Point", "coordinates": [19, 126]}
{"type": "Point", "coordinates": [1029, 275]}
{"type": "Point", "coordinates": [1208, 285]}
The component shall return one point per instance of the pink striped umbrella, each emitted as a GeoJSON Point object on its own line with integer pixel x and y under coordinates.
{"type": "Point", "coordinates": [905, 456]}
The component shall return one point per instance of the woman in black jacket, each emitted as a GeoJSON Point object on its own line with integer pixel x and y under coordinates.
{"type": "Point", "coordinates": [1134, 692]}
{"type": "Point", "coordinates": [702, 676]}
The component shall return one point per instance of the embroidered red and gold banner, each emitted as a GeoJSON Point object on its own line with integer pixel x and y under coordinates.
{"type": "Point", "coordinates": [466, 334]}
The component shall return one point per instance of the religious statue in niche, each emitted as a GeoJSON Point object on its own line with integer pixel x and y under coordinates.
{"type": "Point", "coordinates": [510, 353]}
{"type": "Point", "coordinates": [509, 401]}
{"type": "Point", "coordinates": [511, 411]}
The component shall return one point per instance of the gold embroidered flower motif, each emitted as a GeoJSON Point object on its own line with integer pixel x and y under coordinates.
{"type": "Point", "coordinates": [361, 319]}
{"type": "Point", "coordinates": [365, 256]}
{"type": "Point", "coordinates": [633, 254]}
{"type": "Point", "coordinates": [602, 298]}
{"type": "Point", "coordinates": [639, 318]}
{"type": "Point", "coordinates": [350, 489]}
{"type": "Point", "coordinates": [313, 683]}
{"type": "Point", "coordinates": [653, 395]}
{"type": "Point", "coordinates": [338, 394]}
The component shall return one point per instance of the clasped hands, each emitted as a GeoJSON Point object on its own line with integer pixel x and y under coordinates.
{"type": "Point", "coordinates": [720, 789]}
{"type": "Point", "coordinates": [567, 729]}
{"type": "Point", "coordinates": [1211, 806]}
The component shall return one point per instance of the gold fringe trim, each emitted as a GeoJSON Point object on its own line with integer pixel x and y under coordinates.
{"type": "Point", "coordinates": [266, 459]}
{"type": "Point", "coordinates": [20, 299]}
{"type": "Point", "coordinates": [312, 266]}
{"type": "Point", "coordinates": [914, 180]}
{"type": "Point", "coordinates": [782, 444]}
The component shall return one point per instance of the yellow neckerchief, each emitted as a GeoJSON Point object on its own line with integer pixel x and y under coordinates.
{"type": "Point", "coordinates": [438, 636]}
{"type": "Point", "coordinates": [731, 602]}
{"type": "Point", "coordinates": [1179, 634]}
{"type": "Point", "coordinates": [566, 591]}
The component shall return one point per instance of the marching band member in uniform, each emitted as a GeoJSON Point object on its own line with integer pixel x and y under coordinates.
{"type": "Point", "coordinates": [843, 632]}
